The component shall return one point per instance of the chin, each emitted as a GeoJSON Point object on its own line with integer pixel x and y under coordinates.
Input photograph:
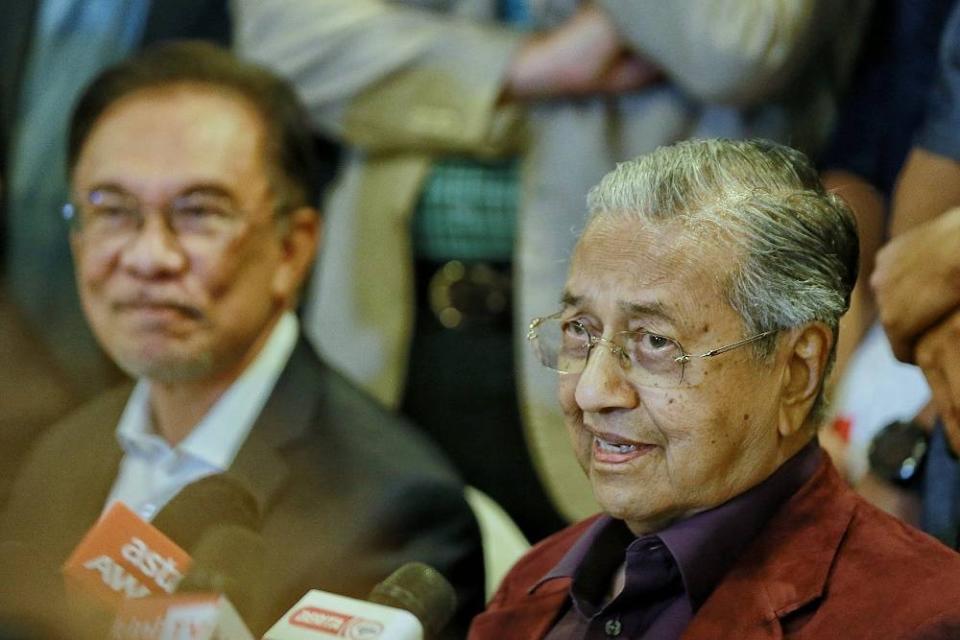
{"type": "Point", "coordinates": [614, 500]}
{"type": "Point", "coordinates": [166, 368]}
{"type": "Point", "coordinates": [632, 502]}
{"type": "Point", "coordinates": [630, 514]}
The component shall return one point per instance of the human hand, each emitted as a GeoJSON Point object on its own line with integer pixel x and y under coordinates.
{"type": "Point", "coordinates": [583, 56]}
{"type": "Point", "coordinates": [938, 355]}
{"type": "Point", "coordinates": [916, 281]}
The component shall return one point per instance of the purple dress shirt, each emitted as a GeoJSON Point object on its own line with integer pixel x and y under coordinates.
{"type": "Point", "coordinates": [668, 574]}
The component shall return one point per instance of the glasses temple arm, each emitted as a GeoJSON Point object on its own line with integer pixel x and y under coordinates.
{"type": "Point", "coordinates": [735, 345]}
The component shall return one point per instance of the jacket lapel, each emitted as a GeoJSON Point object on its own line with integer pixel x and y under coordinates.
{"type": "Point", "coordinates": [785, 569]}
{"type": "Point", "coordinates": [259, 467]}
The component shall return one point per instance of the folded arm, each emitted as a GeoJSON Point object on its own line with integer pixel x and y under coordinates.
{"type": "Point", "coordinates": [730, 51]}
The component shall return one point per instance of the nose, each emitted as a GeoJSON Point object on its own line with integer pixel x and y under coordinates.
{"type": "Point", "coordinates": [603, 384]}
{"type": "Point", "coordinates": [154, 251]}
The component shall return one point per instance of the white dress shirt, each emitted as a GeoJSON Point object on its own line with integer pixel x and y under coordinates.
{"type": "Point", "coordinates": [152, 472]}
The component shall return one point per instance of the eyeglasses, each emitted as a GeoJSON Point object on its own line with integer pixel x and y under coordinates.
{"type": "Point", "coordinates": [115, 216]}
{"type": "Point", "coordinates": [650, 359]}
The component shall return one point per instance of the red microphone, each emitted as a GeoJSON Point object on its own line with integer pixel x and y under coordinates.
{"type": "Point", "coordinates": [123, 557]}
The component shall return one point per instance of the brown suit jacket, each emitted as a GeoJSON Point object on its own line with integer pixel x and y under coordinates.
{"type": "Point", "coordinates": [827, 565]}
{"type": "Point", "coordinates": [344, 492]}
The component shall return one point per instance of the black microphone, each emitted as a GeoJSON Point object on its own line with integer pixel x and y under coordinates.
{"type": "Point", "coordinates": [230, 560]}
{"type": "Point", "coordinates": [209, 502]}
{"type": "Point", "coordinates": [421, 590]}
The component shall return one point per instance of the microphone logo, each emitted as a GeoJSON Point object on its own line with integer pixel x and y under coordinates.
{"type": "Point", "coordinates": [116, 577]}
{"type": "Point", "coordinates": [163, 570]}
{"type": "Point", "coordinates": [123, 557]}
{"type": "Point", "coordinates": [332, 623]}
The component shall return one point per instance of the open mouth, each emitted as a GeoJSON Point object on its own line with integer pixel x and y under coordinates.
{"type": "Point", "coordinates": [612, 447]}
{"type": "Point", "coordinates": [608, 448]}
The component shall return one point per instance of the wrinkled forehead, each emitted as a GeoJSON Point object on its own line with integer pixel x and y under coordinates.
{"type": "Point", "coordinates": [651, 251]}
{"type": "Point", "coordinates": [160, 139]}
{"type": "Point", "coordinates": [621, 261]}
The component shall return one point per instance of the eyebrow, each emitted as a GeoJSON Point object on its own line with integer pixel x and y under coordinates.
{"type": "Point", "coordinates": [570, 300]}
{"type": "Point", "coordinates": [207, 189]}
{"type": "Point", "coordinates": [200, 188]}
{"type": "Point", "coordinates": [655, 309]}
{"type": "Point", "coordinates": [112, 187]}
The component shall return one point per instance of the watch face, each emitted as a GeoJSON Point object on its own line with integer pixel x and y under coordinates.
{"type": "Point", "coordinates": [897, 451]}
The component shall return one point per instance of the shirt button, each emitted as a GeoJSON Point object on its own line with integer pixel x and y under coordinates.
{"type": "Point", "coordinates": [612, 628]}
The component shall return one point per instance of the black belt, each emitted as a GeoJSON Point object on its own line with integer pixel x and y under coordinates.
{"type": "Point", "coordinates": [463, 295]}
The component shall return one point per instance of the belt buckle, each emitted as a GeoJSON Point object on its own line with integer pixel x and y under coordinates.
{"type": "Point", "coordinates": [461, 294]}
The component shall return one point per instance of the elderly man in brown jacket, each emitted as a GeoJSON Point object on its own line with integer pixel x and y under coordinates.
{"type": "Point", "coordinates": [698, 324]}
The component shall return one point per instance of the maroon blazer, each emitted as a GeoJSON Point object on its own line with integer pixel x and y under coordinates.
{"type": "Point", "coordinates": [827, 565]}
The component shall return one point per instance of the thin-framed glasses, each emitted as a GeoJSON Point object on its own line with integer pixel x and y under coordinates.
{"type": "Point", "coordinates": [107, 215]}
{"type": "Point", "coordinates": [650, 359]}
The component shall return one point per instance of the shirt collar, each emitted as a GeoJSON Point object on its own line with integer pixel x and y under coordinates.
{"type": "Point", "coordinates": [218, 436]}
{"type": "Point", "coordinates": [705, 544]}
{"type": "Point", "coordinates": [575, 556]}
{"type": "Point", "coordinates": [135, 431]}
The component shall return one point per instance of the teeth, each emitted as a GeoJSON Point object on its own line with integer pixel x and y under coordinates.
{"type": "Point", "coordinates": [614, 448]}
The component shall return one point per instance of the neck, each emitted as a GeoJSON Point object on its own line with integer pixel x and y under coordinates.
{"type": "Point", "coordinates": [177, 407]}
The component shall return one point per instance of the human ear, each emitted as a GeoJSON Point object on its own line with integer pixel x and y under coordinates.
{"type": "Point", "coordinates": [299, 237]}
{"type": "Point", "coordinates": [807, 353]}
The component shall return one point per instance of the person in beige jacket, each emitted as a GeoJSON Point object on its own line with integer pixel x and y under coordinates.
{"type": "Point", "coordinates": [403, 88]}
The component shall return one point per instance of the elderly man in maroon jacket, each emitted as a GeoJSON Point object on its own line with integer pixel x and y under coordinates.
{"type": "Point", "coordinates": [698, 323]}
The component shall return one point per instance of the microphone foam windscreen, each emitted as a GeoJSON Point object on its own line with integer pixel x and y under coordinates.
{"type": "Point", "coordinates": [209, 502]}
{"type": "Point", "coordinates": [229, 559]}
{"type": "Point", "coordinates": [421, 590]}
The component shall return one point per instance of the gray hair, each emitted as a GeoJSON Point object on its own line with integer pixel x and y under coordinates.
{"type": "Point", "coordinates": [793, 246]}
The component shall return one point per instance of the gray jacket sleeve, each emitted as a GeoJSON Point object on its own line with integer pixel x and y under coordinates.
{"type": "Point", "coordinates": [385, 77]}
{"type": "Point", "coordinates": [734, 51]}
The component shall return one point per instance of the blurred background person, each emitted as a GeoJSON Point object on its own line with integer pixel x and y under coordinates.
{"type": "Point", "coordinates": [881, 112]}
{"type": "Point", "coordinates": [49, 49]}
{"type": "Point", "coordinates": [193, 229]}
{"type": "Point", "coordinates": [916, 287]}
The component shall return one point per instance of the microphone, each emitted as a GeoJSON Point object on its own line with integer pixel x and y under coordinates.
{"type": "Point", "coordinates": [123, 557]}
{"type": "Point", "coordinates": [421, 590]}
{"type": "Point", "coordinates": [200, 616]}
{"type": "Point", "coordinates": [228, 564]}
{"type": "Point", "coordinates": [210, 501]}
{"type": "Point", "coordinates": [229, 560]}
{"type": "Point", "coordinates": [414, 603]}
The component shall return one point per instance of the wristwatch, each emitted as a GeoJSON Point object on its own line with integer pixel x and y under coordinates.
{"type": "Point", "coordinates": [898, 451]}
